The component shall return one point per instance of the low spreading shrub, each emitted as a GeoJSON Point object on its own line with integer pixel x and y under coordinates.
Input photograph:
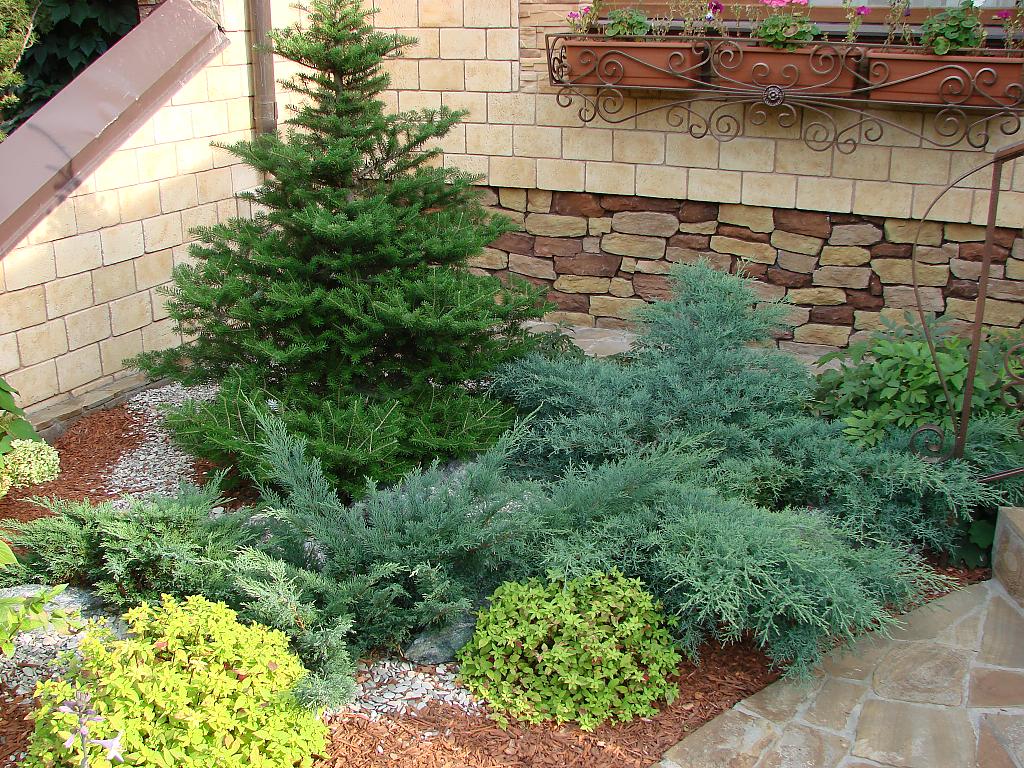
{"type": "Point", "coordinates": [588, 650]}
{"type": "Point", "coordinates": [190, 686]}
{"type": "Point", "coordinates": [702, 374]}
{"type": "Point", "coordinates": [157, 545]}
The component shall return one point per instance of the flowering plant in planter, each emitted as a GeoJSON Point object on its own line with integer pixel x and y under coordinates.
{"type": "Point", "coordinates": [854, 16]}
{"type": "Point", "coordinates": [787, 29]}
{"type": "Point", "coordinates": [698, 17]}
{"type": "Point", "coordinates": [627, 22]}
{"type": "Point", "coordinates": [1012, 21]}
{"type": "Point", "coordinates": [583, 20]}
{"type": "Point", "coordinates": [954, 29]}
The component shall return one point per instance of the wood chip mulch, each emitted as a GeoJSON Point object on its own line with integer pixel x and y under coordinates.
{"type": "Point", "coordinates": [88, 451]}
{"type": "Point", "coordinates": [15, 725]}
{"type": "Point", "coordinates": [441, 737]}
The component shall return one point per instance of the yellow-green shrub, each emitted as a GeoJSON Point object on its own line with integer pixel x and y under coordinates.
{"type": "Point", "coordinates": [190, 687]}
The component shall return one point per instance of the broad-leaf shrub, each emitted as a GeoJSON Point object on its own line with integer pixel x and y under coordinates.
{"type": "Point", "coordinates": [890, 381]}
{"type": "Point", "coordinates": [190, 686]}
{"type": "Point", "coordinates": [592, 649]}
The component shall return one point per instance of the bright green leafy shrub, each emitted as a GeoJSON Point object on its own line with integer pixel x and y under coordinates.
{"type": "Point", "coordinates": [890, 380]}
{"type": "Point", "coordinates": [589, 650]}
{"type": "Point", "coordinates": [191, 686]}
{"type": "Point", "coordinates": [24, 458]}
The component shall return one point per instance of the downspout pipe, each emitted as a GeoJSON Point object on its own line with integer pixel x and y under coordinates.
{"type": "Point", "coordinates": [264, 101]}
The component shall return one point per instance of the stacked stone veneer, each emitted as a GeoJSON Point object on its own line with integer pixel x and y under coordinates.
{"type": "Point", "coordinates": [602, 256]}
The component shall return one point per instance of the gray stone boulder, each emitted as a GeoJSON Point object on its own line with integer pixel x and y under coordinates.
{"type": "Point", "coordinates": [440, 644]}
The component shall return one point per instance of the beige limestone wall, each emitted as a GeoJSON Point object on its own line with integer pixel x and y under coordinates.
{"type": "Point", "coordinates": [78, 295]}
{"type": "Point", "coordinates": [487, 56]}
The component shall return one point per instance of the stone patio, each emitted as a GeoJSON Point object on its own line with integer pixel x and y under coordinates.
{"type": "Point", "coordinates": [945, 691]}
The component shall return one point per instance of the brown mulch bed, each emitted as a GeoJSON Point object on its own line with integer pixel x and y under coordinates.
{"type": "Point", "coordinates": [88, 450]}
{"type": "Point", "coordinates": [444, 738]}
{"type": "Point", "coordinates": [15, 727]}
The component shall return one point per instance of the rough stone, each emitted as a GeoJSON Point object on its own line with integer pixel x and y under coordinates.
{"type": "Point", "coordinates": [531, 266]}
{"type": "Point", "coordinates": [515, 242]}
{"type": "Point", "coordinates": [762, 253]}
{"type": "Point", "coordinates": [580, 284]}
{"type": "Point", "coordinates": [613, 306]}
{"type": "Point", "coordinates": [832, 315]}
{"type": "Point", "coordinates": [637, 246]}
{"type": "Point", "coordinates": [902, 297]}
{"type": "Point", "coordinates": [927, 254]}
{"type": "Point", "coordinates": [731, 740]}
{"type": "Point", "coordinates": [788, 241]}
{"type": "Point", "coordinates": [591, 244]}
{"type": "Point", "coordinates": [1008, 553]}
{"type": "Point", "coordinates": [652, 287]}
{"type": "Point", "coordinates": [700, 242]}
{"type": "Point", "coordinates": [797, 262]}
{"type": "Point", "coordinates": [570, 302]}
{"type": "Point", "coordinates": [554, 225]}
{"type": "Point", "coordinates": [891, 250]}
{"type": "Point", "coordinates": [651, 266]}
{"type": "Point", "coordinates": [926, 621]}
{"type": "Point", "coordinates": [835, 703]}
{"type": "Point", "coordinates": [439, 646]}
{"type": "Point", "coordinates": [1002, 738]}
{"type": "Point", "coordinates": [699, 227]}
{"type": "Point", "coordinates": [800, 745]}
{"type": "Point", "coordinates": [780, 701]}
{"type": "Point", "coordinates": [816, 333]}
{"type": "Point", "coordinates": [859, 660]}
{"type": "Point", "coordinates": [898, 271]}
{"type": "Point", "coordinates": [556, 246]}
{"type": "Point", "coordinates": [1015, 269]}
{"type": "Point", "coordinates": [694, 212]}
{"type": "Point", "coordinates": [742, 233]}
{"type": "Point", "coordinates": [926, 673]}
{"type": "Point", "coordinates": [769, 292]}
{"type": "Point", "coordinates": [645, 223]}
{"type": "Point", "coordinates": [616, 203]}
{"type": "Point", "coordinates": [971, 270]}
{"type": "Point", "coordinates": [845, 255]}
{"type": "Point", "coordinates": [489, 258]}
{"type": "Point", "coordinates": [864, 300]}
{"type": "Point", "coordinates": [599, 226]}
{"type": "Point", "coordinates": [961, 289]}
{"type": "Point", "coordinates": [914, 736]}
{"type": "Point", "coordinates": [789, 279]}
{"type": "Point", "coordinates": [719, 261]}
{"type": "Point", "coordinates": [855, 234]}
{"type": "Point", "coordinates": [576, 204]}
{"type": "Point", "coordinates": [1010, 290]}
{"type": "Point", "coordinates": [803, 222]}
{"type": "Point", "coordinates": [1004, 628]}
{"type": "Point", "coordinates": [817, 296]}
{"type": "Point", "coordinates": [996, 688]}
{"type": "Point", "coordinates": [976, 252]}
{"type": "Point", "coordinates": [1006, 313]}
{"type": "Point", "coordinates": [514, 199]}
{"type": "Point", "coordinates": [842, 277]}
{"type": "Point", "coordinates": [621, 287]}
{"type": "Point", "coordinates": [757, 219]}
{"type": "Point", "coordinates": [913, 231]}
{"type": "Point", "coordinates": [598, 264]}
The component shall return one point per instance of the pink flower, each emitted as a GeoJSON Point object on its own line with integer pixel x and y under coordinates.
{"type": "Point", "coordinates": [1004, 14]}
{"type": "Point", "coordinates": [585, 9]}
{"type": "Point", "coordinates": [715, 7]}
{"type": "Point", "coordinates": [863, 10]}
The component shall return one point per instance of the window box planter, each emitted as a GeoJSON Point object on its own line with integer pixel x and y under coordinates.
{"type": "Point", "coordinates": [824, 69]}
{"type": "Point", "coordinates": [621, 63]}
{"type": "Point", "coordinates": [924, 78]}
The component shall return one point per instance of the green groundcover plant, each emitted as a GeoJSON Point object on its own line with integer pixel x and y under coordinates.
{"type": "Point", "coordinates": [586, 650]}
{"type": "Point", "coordinates": [346, 299]}
{"type": "Point", "coordinates": [189, 686]}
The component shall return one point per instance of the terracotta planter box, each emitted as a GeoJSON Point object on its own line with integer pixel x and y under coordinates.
{"type": "Point", "coordinates": [924, 78]}
{"type": "Point", "coordinates": [815, 69]}
{"type": "Point", "coordinates": [634, 63]}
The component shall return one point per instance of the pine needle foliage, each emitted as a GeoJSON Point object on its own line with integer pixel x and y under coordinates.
{"type": "Point", "coordinates": [349, 284]}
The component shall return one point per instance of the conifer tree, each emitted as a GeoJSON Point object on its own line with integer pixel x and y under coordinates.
{"type": "Point", "coordinates": [349, 285]}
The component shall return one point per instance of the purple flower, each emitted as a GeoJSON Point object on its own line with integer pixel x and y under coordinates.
{"type": "Point", "coordinates": [1004, 14]}
{"type": "Point", "coordinates": [863, 10]}
{"type": "Point", "coordinates": [572, 15]}
{"type": "Point", "coordinates": [715, 6]}
{"type": "Point", "coordinates": [906, 12]}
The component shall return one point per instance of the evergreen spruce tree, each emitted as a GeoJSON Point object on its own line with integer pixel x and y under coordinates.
{"type": "Point", "coordinates": [346, 298]}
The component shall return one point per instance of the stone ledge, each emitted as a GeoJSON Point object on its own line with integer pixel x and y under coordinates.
{"type": "Point", "coordinates": [1008, 552]}
{"type": "Point", "coordinates": [52, 421]}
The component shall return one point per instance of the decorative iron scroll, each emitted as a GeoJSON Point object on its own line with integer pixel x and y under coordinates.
{"type": "Point", "coordinates": [837, 95]}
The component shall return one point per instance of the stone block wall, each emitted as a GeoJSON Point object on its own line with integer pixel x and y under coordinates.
{"type": "Point", "coordinates": [79, 294]}
{"type": "Point", "coordinates": [602, 256]}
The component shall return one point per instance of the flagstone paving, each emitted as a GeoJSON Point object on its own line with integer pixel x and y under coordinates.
{"type": "Point", "coordinates": [945, 691]}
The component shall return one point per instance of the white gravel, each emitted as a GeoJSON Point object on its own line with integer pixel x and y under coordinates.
{"type": "Point", "coordinates": [395, 687]}
{"type": "Point", "coordinates": [156, 465]}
